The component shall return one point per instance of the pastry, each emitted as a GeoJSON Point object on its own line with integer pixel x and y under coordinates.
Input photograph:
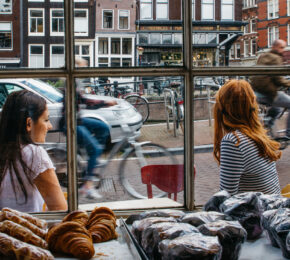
{"type": "Point", "coordinates": [77, 216]}
{"type": "Point", "coordinates": [71, 238]}
{"type": "Point", "coordinates": [16, 249]}
{"type": "Point", "coordinates": [22, 233]}
{"type": "Point", "coordinates": [7, 215]}
{"type": "Point", "coordinates": [36, 221]}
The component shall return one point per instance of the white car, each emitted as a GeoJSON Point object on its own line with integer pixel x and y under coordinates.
{"type": "Point", "coordinates": [115, 116]}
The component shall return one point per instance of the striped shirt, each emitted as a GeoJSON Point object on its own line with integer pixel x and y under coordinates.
{"type": "Point", "coordinates": [242, 169]}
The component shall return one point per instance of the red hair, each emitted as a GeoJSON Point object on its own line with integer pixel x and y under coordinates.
{"type": "Point", "coordinates": [236, 108]}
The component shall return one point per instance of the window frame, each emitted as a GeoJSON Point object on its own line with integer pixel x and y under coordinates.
{"type": "Point", "coordinates": [83, 33]}
{"type": "Point", "coordinates": [187, 71]}
{"type": "Point", "coordinates": [161, 3]}
{"type": "Point", "coordinates": [11, 8]}
{"type": "Point", "coordinates": [104, 10]}
{"type": "Point", "coordinates": [50, 51]}
{"type": "Point", "coordinates": [29, 54]}
{"type": "Point", "coordinates": [233, 10]}
{"type": "Point", "coordinates": [275, 34]}
{"type": "Point", "coordinates": [275, 11]}
{"type": "Point", "coordinates": [146, 2]}
{"type": "Point", "coordinates": [119, 11]}
{"type": "Point", "coordinates": [50, 22]}
{"type": "Point", "coordinates": [29, 22]}
{"type": "Point", "coordinates": [11, 31]}
{"type": "Point", "coordinates": [213, 12]}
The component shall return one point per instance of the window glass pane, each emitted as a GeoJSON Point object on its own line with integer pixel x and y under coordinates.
{"type": "Point", "coordinates": [108, 19]}
{"type": "Point", "coordinates": [103, 45]}
{"type": "Point", "coordinates": [227, 12]}
{"type": "Point", "coordinates": [167, 38]}
{"type": "Point", "coordinates": [6, 7]}
{"type": "Point", "coordinates": [124, 19]}
{"type": "Point", "coordinates": [81, 22]}
{"type": "Point", "coordinates": [126, 46]}
{"type": "Point", "coordinates": [122, 178]}
{"type": "Point", "coordinates": [146, 10]}
{"type": "Point", "coordinates": [5, 36]}
{"type": "Point", "coordinates": [115, 45]}
{"type": "Point", "coordinates": [162, 11]}
{"type": "Point", "coordinates": [155, 38]}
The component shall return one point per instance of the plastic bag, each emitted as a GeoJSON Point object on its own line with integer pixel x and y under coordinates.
{"type": "Point", "coordinates": [216, 200]}
{"type": "Point", "coordinates": [155, 213]}
{"type": "Point", "coordinates": [160, 231]}
{"type": "Point", "coordinates": [198, 218]}
{"type": "Point", "coordinates": [140, 225]}
{"type": "Point", "coordinates": [192, 246]}
{"type": "Point", "coordinates": [231, 236]}
{"type": "Point", "coordinates": [247, 209]}
{"type": "Point", "coordinates": [288, 242]}
{"type": "Point", "coordinates": [266, 221]}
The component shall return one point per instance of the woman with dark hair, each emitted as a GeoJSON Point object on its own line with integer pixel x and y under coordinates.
{"type": "Point", "coordinates": [241, 146]}
{"type": "Point", "coordinates": [27, 175]}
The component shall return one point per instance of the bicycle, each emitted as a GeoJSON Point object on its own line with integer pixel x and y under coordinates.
{"type": "Point", "coordinates": [174, 108]}
{"type": "Point", "coordinates": [133, 156]}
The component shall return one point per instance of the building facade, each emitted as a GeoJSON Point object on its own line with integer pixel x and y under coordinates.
{"type": "Point", "coordinates": [115, 33]}
{"type": "Point", "coordinates": [267, 20]}
{"type": "Point", "coordinates": [43, 31]}
{"type": "Point", "coordinates": [10, 34]}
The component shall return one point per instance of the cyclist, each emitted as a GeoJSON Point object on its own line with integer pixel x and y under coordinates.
{"type": "Point", "coordinates": [92, 134]}
{"type": "Point", "coordinates": [267, 86]}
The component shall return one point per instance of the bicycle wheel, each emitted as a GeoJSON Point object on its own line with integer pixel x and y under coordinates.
{"type": "Point", "coordinates": [137, 157]}
{"type": "Point", "coordinates": [141, 104]}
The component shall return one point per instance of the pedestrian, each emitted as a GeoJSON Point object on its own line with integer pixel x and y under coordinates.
{"type": "Point", "coordinates": [246, 155]}
{"type": "Point", "coordinates": [269, 86]}
{"type": "Point", "coordinates": [27, 175]}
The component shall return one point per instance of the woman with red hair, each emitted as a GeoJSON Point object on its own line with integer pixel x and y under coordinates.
{"type": "Point", "coordinates": [245, 153]}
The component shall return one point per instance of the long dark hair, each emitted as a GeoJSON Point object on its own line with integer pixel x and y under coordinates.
{"type": "Point", "coordinates": [236, 108]}
{"type": "Point", "coordinates": [19, 106]}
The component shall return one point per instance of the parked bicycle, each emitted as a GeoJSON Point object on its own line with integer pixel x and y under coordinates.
{"type": "Point", "coordinates": [174, 106]}
{"type": "Point", "coordinates": [131, 155]}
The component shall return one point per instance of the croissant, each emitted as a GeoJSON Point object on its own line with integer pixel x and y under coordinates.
{"type": "Point", "coordinates": [102, 224]}
{"type": "Point", "coordinates": [22, 233]}
{"type": "Point", "coordinates": [98, 217]}
{"type": "Point", "coordinates": [16, 249]}
{"type": "Point", "coordinates": [7, 215]}
{"type": "Point", "coordinates": [36, 221]}
{"type": "Point", "coordinates": [71, 238]}
{"type": "Point", "coordinates": [77, 216]}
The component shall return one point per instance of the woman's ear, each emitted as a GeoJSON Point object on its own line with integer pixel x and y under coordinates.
{"type": "Point", "coordinates": [28, 124]}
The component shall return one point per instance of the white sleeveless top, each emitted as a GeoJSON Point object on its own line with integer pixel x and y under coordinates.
{"type": "Point", "coordinates": [36, 159]}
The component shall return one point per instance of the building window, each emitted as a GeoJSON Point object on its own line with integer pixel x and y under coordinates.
{"type": "Point", "coordinates": [253, 47]}
{"type": "Point", "coordinates": [124, 19]}
{"type": "Point", "coordinates": [247, 27]}
{"type": "Point", "coordinates": [145, 9]}
{"type": "Point", "coordinates": [207, 9]}
{"type": "Point", "coordinates": [83, 51]}
{"type": "Point", "coordinates": [57, 56]}
{"type": "Point", "coordinates": [126, 62]}
{"type": "Point", "coordinates": [36, 56]}
{"type": "Point", "coordinates": [177, 38]}
{"type": "Point", "coordinates": [126, 46]}
{"type": "Point", "coordinates": [155, 38]}
{"type": "Point", "coordinates": [36, 18]}
{"type": "Point", "coordinates": [253, 26]}
{"type": "Point", "coordinates": [115, 62]}
{"type": "Point", "coordinates": [238, 51]}
{"type": "Point", "coordinates": [246, 48]}
{"type": "Point", "coordinates": [273, 9]}
{"type": "Point", "coordinates": [107, 19]}
{"type": "Point", "coordinates": [227, 10]}
{"type": "Point", "coordinates": [6, 7]}
{"type": "Point", "coordinates": [57, 22]}
{"type": "Point", "coordinates": [193, 10]}
{"type": "Point", "coordinates": [81, 22]}
{"type": "Point", "coordinates": [273, 34]}
{"type": "Point", "coordinates": [143, 38]}
{"type": "Point", "coordinates": [249, 3]}
{"type": "Point", "coordinates": [161, 9]}
{"type": "Point", "coordinates": [115, 45]}
{"type": "Point", "coordinates": [5, 36]}
{"type": "Point", "coordinates": [103, 46]}
{"type": "Point", "coordinates": [199, 38]}
{"type": "Point", "coordinates": [103, 62]}
{"type": "Point", "coordinates": [167, 38]}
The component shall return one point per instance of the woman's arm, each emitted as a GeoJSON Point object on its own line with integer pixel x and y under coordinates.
{"type": "Point", "coordinates": [49, 188]}
{"type": "Point", "coordinates": [231, 166]}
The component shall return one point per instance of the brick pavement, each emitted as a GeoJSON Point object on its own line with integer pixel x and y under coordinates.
{"type": "Point", "coordinates": [207, 179]}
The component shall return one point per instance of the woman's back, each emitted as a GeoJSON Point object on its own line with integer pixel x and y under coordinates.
{"type": "Point", "coordinates": [243, 169]}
